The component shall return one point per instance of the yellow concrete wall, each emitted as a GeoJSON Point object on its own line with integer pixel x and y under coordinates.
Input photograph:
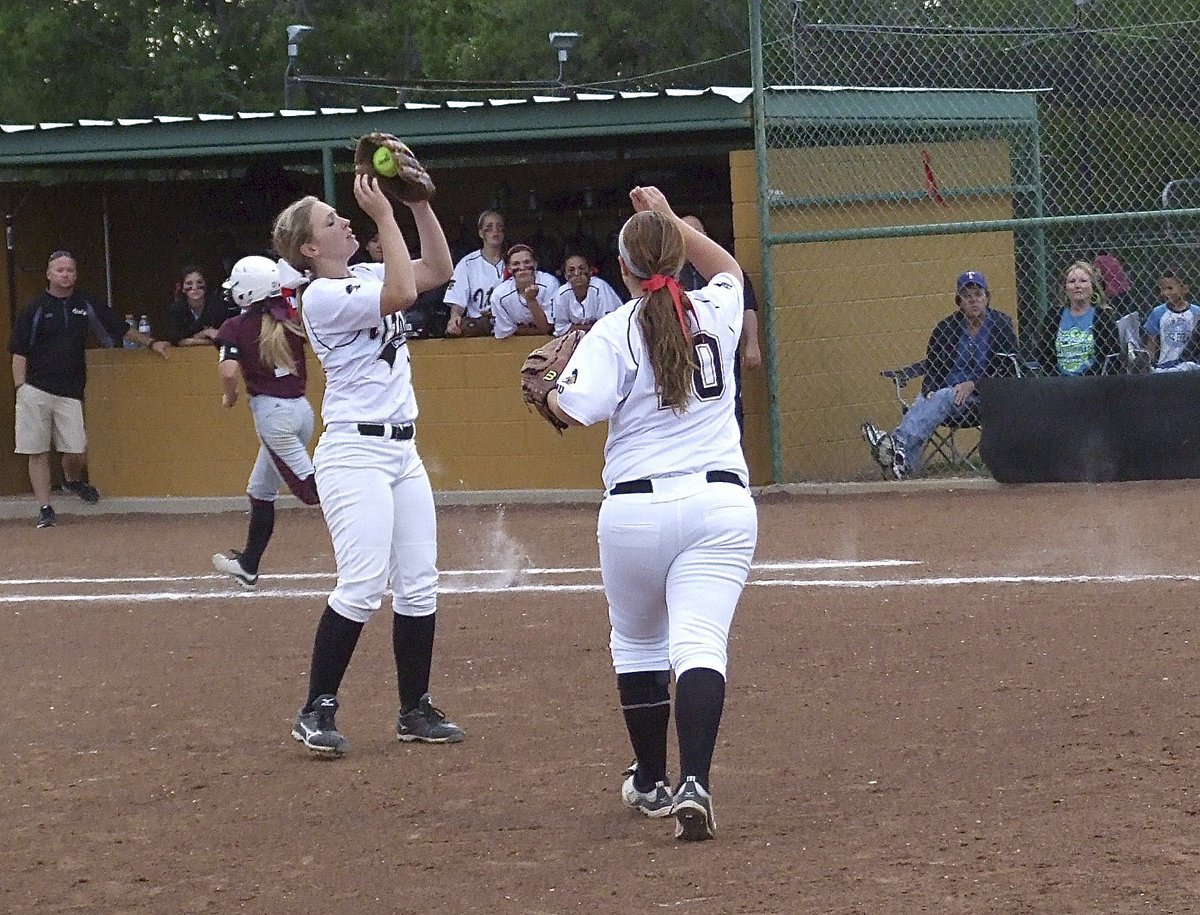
{"type": "Point", "coordinates": [157, 428]}
{"type": "Point", "coordinates": [846, 310]}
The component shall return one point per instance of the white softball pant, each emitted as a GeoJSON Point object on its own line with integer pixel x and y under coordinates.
{"type": "Point", "coordinates": [674, 563]}
{"type": "Point", "coordinates": [378, 505]}
{"type": "Point", "coordinates": [284, 426]}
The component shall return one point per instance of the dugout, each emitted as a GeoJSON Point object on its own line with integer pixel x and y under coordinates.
{"type": "Point", "coordinates": [136, 199]}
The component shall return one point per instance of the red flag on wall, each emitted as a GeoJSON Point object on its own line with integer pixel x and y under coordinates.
{"type": "Point", "coordinates": [931, 182]}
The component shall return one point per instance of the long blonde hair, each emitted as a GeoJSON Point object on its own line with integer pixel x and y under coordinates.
{"type": "Point", "coordinates": [1099, 299]}
{"type": "Point", "coordinates": [292, 230]}
{"type": "Point", "coordinates": [652, 244]}
{"type": "Point", "coordinates": [273, 347]}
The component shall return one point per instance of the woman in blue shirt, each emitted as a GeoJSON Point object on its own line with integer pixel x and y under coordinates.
{"type": "Point", "coordinates": [1083, 334]}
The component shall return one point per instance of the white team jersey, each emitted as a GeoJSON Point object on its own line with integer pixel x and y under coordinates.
{"type": "Point", "coordinates": [368, 376]}
{"type": "Point", "coordinates": [472, 284]}
{"type": "Point", "coordinates": [600, 300]}
{"type": "Point", "coordinates": [609, 377]}
{"type": "Point", "coordinates": [509, 308]}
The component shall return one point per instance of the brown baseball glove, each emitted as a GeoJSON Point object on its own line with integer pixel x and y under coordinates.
{"type": "Point", "coordinates": [542, 369]}
{"type": "Point", "coordinates": [400, 174]}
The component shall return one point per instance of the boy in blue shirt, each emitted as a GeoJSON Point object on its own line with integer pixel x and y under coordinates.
{"type": "Point", "coordinates": [1170, 325]}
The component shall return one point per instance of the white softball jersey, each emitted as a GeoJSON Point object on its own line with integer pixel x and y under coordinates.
{"type": "Point", "coordinates": [368, 376]}
{"type": "Point", "coordinates": [471, 286]}
{"type": "Point", "coordinates": [601, 299]}
{"type": "Point", "coordinates": [610, 377]}
{"type": "Point", "coordinates": [509, 308]}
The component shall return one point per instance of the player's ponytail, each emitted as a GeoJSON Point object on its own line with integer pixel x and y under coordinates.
{"type": "Point", "coordinates": [652, 250]}
{"type": "Point", "coordinates": [273, 347]}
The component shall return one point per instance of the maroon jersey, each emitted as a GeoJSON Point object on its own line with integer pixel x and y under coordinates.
{"type": "Point", "coordinates": [238, 339]}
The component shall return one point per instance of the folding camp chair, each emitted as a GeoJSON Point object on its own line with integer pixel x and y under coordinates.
{"type": "Point", "coordinates": [945, 449]}
{"type": "Point", "coordinates": [1133, 359]}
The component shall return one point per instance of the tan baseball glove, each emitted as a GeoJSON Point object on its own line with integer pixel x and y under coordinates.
{"type": "Point", "coordinates": [542, 369]}
{"type": "Point", "coordinates": [400, 174]}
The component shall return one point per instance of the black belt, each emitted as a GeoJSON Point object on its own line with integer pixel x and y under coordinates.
{"type": "Point", "coordinates": [399, 433]}
{"type": "Point", "coordinates": [713, 476]}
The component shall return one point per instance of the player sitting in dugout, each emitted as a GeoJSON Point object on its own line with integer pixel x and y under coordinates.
{"type": "Point", "coordinates": [522, 304]}
{"type": "Point", "coordinates": [972, 343]}
{"type": "Point", "coordinates": [584, 298]}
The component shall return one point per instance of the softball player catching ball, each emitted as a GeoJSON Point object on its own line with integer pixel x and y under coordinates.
{"type": "Point", "coordinates": [264, 347]}
{"type": "Point", "coordinates": [375, 492]}
{"type": "Point", "coordinates": [677, 527]}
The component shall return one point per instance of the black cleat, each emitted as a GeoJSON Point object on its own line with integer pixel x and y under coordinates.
{"type": "Point", "coordinates": [316, 729]}
{"type": "Point", "coordinates": [693, 812]}
{"type": "Point", "coordinates": [85, 491]}
{"type": "Point", "coordinates": [427, 724]}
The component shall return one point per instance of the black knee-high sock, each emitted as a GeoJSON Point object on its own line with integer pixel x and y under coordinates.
{"type": "Point", "coordinates": [646, 705]}
{"type": "Point", "coordinates": [332, 649]}
{"type": "Point", "coordinates": [412, 644]}
{"type": "Point", "coordinates": [699, 700]}
{"type": "Point", "coordinates": [262, 525]}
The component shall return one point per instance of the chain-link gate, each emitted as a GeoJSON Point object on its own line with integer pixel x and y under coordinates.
{"type": "Point", "coordinates": [901, 144]}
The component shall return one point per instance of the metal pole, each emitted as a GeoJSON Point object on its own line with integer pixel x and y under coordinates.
{"type": "Point", "coordinates": [108, 282]}
{"type": "Point", "coordinates": [327, 172]}
{"type": "Point", "coordinates": [1083, 72]}
{"type": "Point", "coordinates": [765, 239]}
{"type": "Point", "coordinates": [10, 258]}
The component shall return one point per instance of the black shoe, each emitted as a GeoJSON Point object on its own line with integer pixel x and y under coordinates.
{"type": "Point", "coordinates": [316, 729]}
{"type": "Point", "coordinates": [427, 724]}
{"type": "Point", "coordinates": [85, 491]}
{"type": "Point", "coordinates": [693, 812]}
{"type": "Point", "coordinates": [46, 516]}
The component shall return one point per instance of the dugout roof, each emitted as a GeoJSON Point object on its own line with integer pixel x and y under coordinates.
{"type": "Point", "coordinates": [456, 131]}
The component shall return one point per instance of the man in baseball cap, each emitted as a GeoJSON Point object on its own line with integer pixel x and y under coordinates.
{"type": "Point", "coordinates": [965, 346]}
{"type": "Point", "coordinates": [971, 278]}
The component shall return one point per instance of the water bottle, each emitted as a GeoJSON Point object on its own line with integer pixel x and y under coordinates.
{"type": "Point", "coordinates": [144, 325]}
{"type": "Point", "coordinates": [129, 344]}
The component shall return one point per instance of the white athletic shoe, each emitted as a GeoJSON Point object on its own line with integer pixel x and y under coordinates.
{"type": "Point", "coordinates": [656, 802]}
{"type": "Point", "coordinates": [880, 443]}
{"type": "Point", "coordinates": [232, 566]}
{"type": "Point", "coordinates": [900, 466]}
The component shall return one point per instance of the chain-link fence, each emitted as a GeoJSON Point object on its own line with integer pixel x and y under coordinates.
{"type": "Point", "coordinates": [1009, 138]}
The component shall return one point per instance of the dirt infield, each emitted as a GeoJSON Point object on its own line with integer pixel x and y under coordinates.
{"type": "Point", "coordinates": [944, 702]}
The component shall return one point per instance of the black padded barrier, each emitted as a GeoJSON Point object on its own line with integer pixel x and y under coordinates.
{"type": "Point", "coordinates": [1094, 429]}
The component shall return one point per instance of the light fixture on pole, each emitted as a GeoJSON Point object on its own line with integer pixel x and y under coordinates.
{"type": "Point", "coordinates": [295, 34]}
{"type": "Point", "coordinates": [563, 42]}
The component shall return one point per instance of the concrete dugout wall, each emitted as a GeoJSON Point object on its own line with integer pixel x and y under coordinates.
{"type": "Point", "coordinates": [157, 428]}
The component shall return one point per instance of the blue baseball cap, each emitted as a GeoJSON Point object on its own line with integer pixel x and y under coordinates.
{"type": "Point", "coordinates": [971, 278]}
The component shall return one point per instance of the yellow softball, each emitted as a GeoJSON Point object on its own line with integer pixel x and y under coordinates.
{"type": "Point", "coordinates": [385, 163]}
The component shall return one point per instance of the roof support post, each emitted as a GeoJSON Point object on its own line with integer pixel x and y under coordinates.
{"type": "Point", "coordinates": [327, 172]}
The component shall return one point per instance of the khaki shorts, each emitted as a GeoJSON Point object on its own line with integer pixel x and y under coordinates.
{"type": "Point", "coordinates": [44, 418]}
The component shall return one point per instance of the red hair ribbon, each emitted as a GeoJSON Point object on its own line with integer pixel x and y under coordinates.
{"type": "Point", "coordinates": [659, 281]}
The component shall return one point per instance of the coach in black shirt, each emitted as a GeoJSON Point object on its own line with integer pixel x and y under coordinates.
{"type": "Point", "coordinates": [49, 373]}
